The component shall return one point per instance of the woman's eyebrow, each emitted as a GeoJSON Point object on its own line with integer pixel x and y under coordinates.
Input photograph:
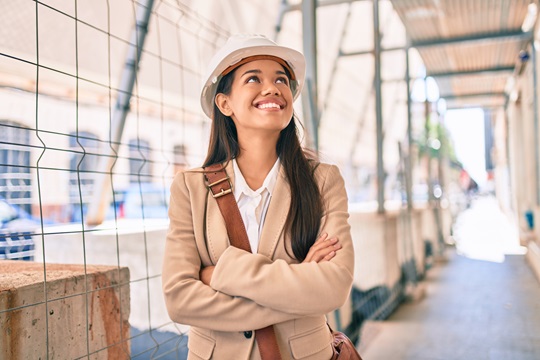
{"type": "Point", "coordinates": [257, 71]}
{"type": "Point", "coordinates": [254, 71]}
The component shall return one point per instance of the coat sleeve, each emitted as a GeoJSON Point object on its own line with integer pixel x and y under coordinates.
{"type": "Point", "coordinates": [188, 300]}
{"type": "Point", "coordinates": [303, 289]}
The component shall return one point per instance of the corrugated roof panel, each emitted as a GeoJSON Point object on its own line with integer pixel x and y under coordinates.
{"type": "Point", "coordinates": [477, 101]}
{"type": "Point", "coordinates": [472, 84]}
{"type": "Point", "coordinates": [472, 56]}
{"type": "Point", "coordinates": [465, 36]}
{"type": "Point", "coordinates": [443, 19]}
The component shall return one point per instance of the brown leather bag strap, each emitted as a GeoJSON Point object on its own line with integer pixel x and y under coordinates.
{"type": "Point", "coordinates": [267, 341]}
{"type": "Point", "coordinates": [219, 184]}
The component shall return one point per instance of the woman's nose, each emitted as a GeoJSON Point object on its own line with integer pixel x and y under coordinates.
{"type": "Point", "coordinates": [270, 88]}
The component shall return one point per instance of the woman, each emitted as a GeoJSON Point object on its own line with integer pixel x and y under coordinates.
{"type": "Point", "coordinates": [294, 210]}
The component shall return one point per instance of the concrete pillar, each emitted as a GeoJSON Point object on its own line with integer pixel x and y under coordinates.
{"type": "Point", "coordinates": [68, 316]}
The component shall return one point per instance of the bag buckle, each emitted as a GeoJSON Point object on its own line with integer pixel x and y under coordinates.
{"type": "Point", "coordinates": [223, 191]}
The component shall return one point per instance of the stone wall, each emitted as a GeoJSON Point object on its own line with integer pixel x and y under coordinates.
{"type": "Point", "coordinates": [68, 316]}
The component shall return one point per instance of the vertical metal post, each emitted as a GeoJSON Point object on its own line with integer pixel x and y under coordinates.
{"type": "Point", "coordinates": [102, 182]}
{"type": "Point", "coordinates": [283, 8]}
{"type": "Point", "coordinates": [378, 107]}
{"type": "Point", "coordinates": [311, 103]}
{"type": "Point", "coordinates": [535, 110]}
{"type": "Point", "coordinates": [408, 163]}
{"type": "Point", "coordinates": [427, 139]}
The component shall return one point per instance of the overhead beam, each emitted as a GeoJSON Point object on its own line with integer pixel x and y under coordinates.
{"type": "Point", "coordinates": [484, 71]}
{"type": "Point", "coordinates": [468, 96]}
{"type": "Point", "coordinates": [475, 106]}
{"type": "Point", "coordinates": [297, 7]}
{"type": "Point", "coordinates": [505, 35]}
{"type": "Point", "coordinates": [441, 42]}
{"type": "Point", "coordinates": [370, 51]}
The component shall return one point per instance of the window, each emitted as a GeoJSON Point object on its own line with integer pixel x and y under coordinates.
{"type": "Point", "coordinates": [180, 162]}
{"type": "Point", "coordinates": [15, 177]}
{"type": "Point", "coordinates": [82, 164]}
{"type": "Point", "coordinates": [140, 167]}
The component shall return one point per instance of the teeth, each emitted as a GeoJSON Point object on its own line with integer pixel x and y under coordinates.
{"type": "Point", "coordinates": [269, 105]}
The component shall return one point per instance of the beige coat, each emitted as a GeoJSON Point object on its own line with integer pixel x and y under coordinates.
{"type": "Point", "coordinates": [251, 291]}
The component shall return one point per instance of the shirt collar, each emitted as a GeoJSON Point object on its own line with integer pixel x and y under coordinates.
{"type": "Point", "coordinates": [241, 186]}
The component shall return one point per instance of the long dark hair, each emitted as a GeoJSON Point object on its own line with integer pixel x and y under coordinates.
{"type": "Point", "coordinates": [305, 212]}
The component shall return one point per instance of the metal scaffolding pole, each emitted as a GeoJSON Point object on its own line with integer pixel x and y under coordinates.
{"type": "Point", "coordinates": [535, 110]}
{"type": "Point", "coordinates": [378, 107]}
{"type": "Point", "coordinates": [102, 181]}
{"type": "Point", "coordinates": [283, 8]}
{"type": "Point", "coordinates": [309, 97]}
{"type": "Point", "coordinates": [408, 161]}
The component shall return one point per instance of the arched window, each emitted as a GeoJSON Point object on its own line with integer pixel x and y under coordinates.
{"type": "Point", "coordinates": [140, 167]}
{"type": "Point", "coordinates": [180, 161]}
{"type": "Point", "coordinates": [15, 177]}
{"type": "Point", "coordinates": [83, 163]}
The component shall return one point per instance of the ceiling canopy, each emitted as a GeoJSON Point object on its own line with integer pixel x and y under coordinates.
{"type": "Point", "coordinates": [470, 47]}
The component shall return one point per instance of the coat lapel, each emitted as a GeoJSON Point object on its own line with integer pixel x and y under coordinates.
{"type": "Point", "coordinates": [216, 232]}
{"type": "Point", "coordinates": [276, 216]}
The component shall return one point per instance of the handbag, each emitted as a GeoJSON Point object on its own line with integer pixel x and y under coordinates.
{"type": "Point", "coordinates": [343, 347]}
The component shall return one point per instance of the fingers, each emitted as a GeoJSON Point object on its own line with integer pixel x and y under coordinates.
{"type": "Point", "coordinates": [323, 249]}
{"type": "Point", "coordinates": [316, 246]}
{"type": "Point", "coordinates": [322, 237]}
{"type": "Point", "coordinates": [330, 255]}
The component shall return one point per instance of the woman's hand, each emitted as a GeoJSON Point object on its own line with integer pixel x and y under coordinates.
{"type": "Point", "coordinates": [323, 249]}
{"type": "Point", "coordinates": [206, 274]}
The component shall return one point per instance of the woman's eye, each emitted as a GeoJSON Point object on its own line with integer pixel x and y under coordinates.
{"type": "Point", "coordinates": [282, 80]}
{"type": "Point", "coordinates": [252, 79]}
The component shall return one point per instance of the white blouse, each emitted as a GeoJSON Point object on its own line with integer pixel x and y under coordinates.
{"type": "Point", "coordinates": [253, 204]}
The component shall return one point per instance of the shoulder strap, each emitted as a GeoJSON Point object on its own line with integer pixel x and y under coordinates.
{"type": "Point", "coordinates": [220, 186]}
{"type": "Point", "coordinates": [219, 183]}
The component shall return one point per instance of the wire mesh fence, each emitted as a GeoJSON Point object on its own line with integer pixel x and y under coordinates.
{"type": "Point", "coordinates": [99, 110]}
{"type": "Point", "coordinates": [62, 65]}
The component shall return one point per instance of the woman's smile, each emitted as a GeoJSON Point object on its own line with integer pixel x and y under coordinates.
{"type": "Point", "coordinates": [270, 104]}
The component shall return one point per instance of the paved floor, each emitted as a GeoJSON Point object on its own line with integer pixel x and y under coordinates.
{"type": "Point", "coordinates": [473, 309]}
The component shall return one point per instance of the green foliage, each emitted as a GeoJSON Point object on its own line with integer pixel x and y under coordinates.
{"type": "Point", "coordinates": [435, 141]}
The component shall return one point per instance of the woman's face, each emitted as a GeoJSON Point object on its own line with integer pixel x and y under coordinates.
{"type": "Point", "coordinates": [260, 99]}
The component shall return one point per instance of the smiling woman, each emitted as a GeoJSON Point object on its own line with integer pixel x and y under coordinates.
{"type": "Point", "coordinates": [255, 267]}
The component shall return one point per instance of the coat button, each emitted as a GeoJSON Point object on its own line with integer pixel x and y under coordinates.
{"type": "Point", "coordinates": [248, 334]}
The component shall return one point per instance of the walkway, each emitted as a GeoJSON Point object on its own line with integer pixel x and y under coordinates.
{"type": "Point", "coordinates": [473, 309]}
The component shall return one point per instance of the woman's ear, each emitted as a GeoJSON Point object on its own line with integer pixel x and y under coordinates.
{"type": "Point", "coordinates": [222, 102]}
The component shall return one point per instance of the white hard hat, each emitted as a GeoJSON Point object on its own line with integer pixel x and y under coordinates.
{"type": "Point", "coordinates": [239, 47]}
